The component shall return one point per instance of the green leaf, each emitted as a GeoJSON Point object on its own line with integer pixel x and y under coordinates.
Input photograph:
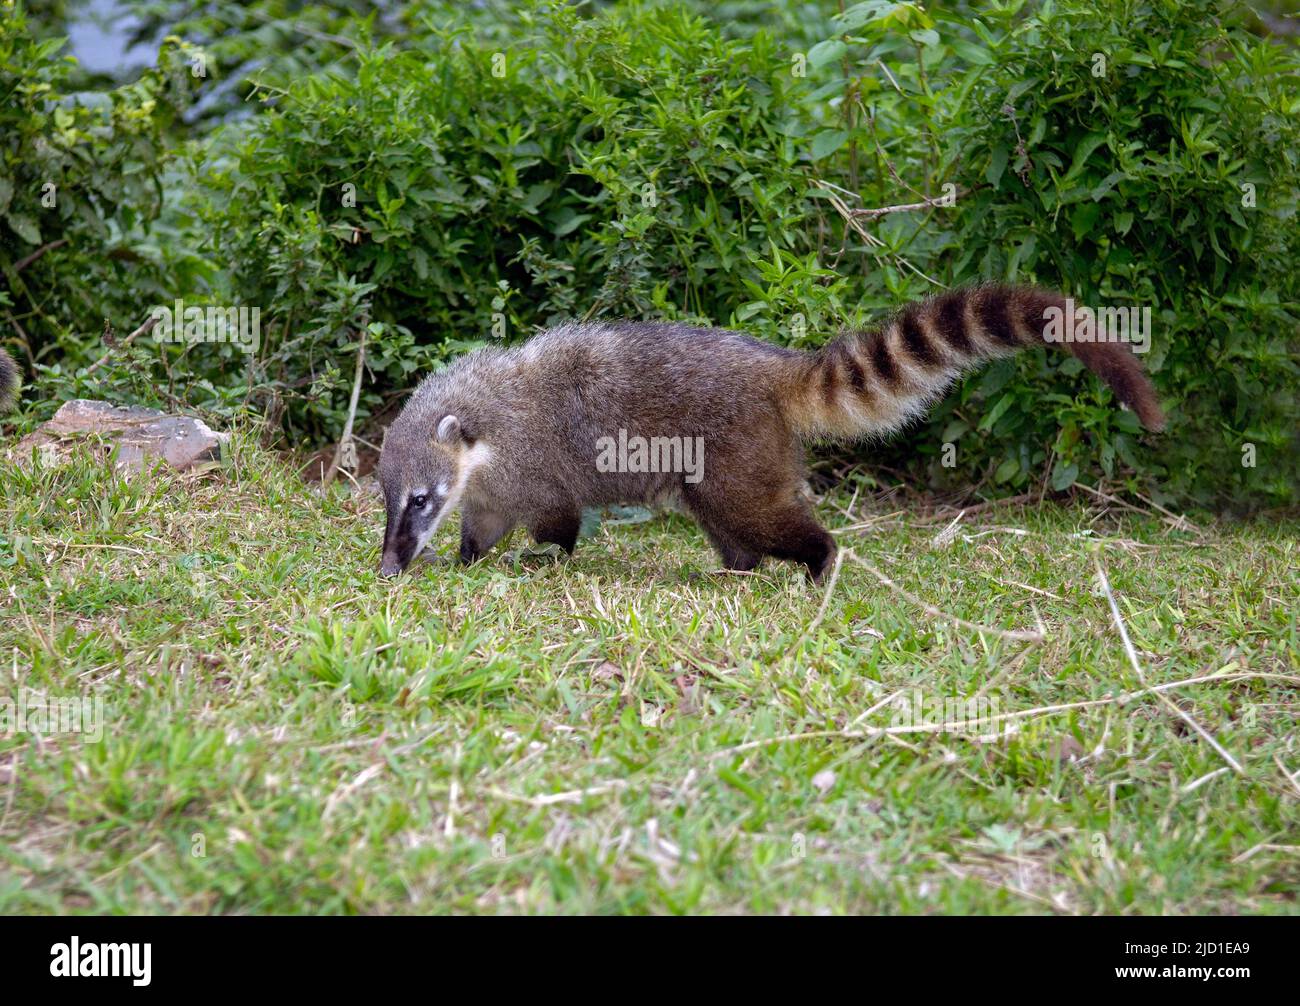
{"type": "Point", "coordinates": [971, 52]}
{"type": "Point", "coordinates": [571, 223]}
{"type": "Point", "coordinates": [995, 413]}
{"type": "Point", "coordinates": [826, 52]}
{"type": "Point", "coordinates": [954, 430]}
{"type": "Point", "coordinates": [1081, 153]}
{"type": "Point", "coordinates": [1084, 218]}
{"type": "Point", "coordinates": [997, 164]}
{"type": "Point", "coordinates": [1064, 475]}
{"type": "Point", "coordinates": [827, 142]}
{"type": "Point", "coordinates": [1106, 184]}
{"type": "Point", "coordinates": [1008, 470]}
{"type": "Point", "coordinates": [862, 13]}
{"type": "Point", "coordinates": [25, 227]}
{"type": "Point", "coordinates": [1128, 421]}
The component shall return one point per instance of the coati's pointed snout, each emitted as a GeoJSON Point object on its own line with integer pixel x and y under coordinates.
{"type": "Point", "coordinates": [400, 547]}
{"type": "Point", "coordinates": [390, 564]}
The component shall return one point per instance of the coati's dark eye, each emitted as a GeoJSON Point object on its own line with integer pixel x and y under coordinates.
{"type": "Point", "coordinates": [419, 501]}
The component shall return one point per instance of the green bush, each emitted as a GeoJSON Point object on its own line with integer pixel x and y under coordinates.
{"type": "Point", "coordinates": [463, 191]}
{"type": "Point", "coordinates": [1145, 154]}
{"type": "Point", "coordinates": [80, 184]}
{"type": "Point", "coordinates": [476, 175]}
{"type": "Point", "coordinates": [1108, 150]}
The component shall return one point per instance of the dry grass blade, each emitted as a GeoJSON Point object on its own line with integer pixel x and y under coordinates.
{"type": "Point", "coordinates": [1021, 635]}
{"type": "Point", "coordinates": [1137, 669]}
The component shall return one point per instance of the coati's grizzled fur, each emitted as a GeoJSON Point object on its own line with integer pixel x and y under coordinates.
{"type": "Point", "coordinates": [510, 435]}
{"type": "Point", "coordinates": [8, 380]}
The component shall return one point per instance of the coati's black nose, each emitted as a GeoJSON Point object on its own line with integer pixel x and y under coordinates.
{"type": "Point", "coordinates": [390, 564]}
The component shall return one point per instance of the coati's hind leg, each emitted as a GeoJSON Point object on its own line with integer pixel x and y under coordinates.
{"type": "Point", "coordinates": [744, 527]}
{"type": "Point", "coordinates": [734, 555]}
{"type": "Point", "coordinates": [479, 531]}
{"type": "Point", "coordinates": [557, 527]}
{"type": "Point", "coordinates": [798, 536]}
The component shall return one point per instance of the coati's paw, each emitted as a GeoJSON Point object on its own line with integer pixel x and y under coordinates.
{"type": "Point", "coordinates": [819, 572]}
{"type": "Point", "coordinates": [818, 555]}
{"type": "Point", "coordinates": [812, 546]}
{"type": "Point", "coordinates": [740, 560]}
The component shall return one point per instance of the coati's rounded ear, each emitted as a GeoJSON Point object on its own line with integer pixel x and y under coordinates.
{"type": "Point", "coordinates": [448, 430]}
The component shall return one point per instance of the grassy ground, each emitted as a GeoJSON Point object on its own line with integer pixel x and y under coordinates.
{"type": "Point", "coordinates": [629, 731]}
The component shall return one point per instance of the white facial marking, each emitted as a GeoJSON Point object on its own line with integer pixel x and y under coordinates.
{"type": "Point", "coordinates": [471, 460]}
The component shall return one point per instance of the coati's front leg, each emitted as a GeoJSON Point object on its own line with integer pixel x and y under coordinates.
{"type": "Point", "coordinates": [556, 527]}
{"type": "Point", "coordinates": [480, 529]}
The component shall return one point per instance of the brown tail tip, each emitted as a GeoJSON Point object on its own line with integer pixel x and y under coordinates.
{"type": "Point", "coordinates": [1115, 363]}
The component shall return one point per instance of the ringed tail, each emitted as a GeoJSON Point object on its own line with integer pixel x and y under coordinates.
{"type": "Point", "coordinates": [870, 382]}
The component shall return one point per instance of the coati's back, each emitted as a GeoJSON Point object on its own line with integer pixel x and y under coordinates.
{"type": "Point", "coordinates": [520, 432]}
{"type": "Point", "coordinates": [668, 378]}
{"type": "Point", "coordinates": [548, 406]}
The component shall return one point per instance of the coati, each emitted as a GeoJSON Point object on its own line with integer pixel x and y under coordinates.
{"type": "Point", "coordinates": [512, 436]}
{"type": "Point", "coordinates": [8, 380]}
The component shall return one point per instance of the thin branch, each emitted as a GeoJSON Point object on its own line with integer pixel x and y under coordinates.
{"type": "Point", "coordinates": [934, 728]}
{"type": "Point", "coordinates": [1179, 522]}
{"type": "Point", "coordinates": [1265, 846]}
{"type": "Point", "coordinates": [924, 204]}
{"type": "Point", "coordinates": [24, 262]}
{"type": "Point", "coordinates": [144, 329]}
{"type": "Point", "coordinates": [352, 412]}
{"type": "Point", "coordinates": [345, 790]}
{"type": "Point", "coordinates": [568, 796]}
{"type": "Point", "coordinates": [1192, 787]}
{"type": "Point", "coordinates": [873, 243]}
{"type": "Point", "coordinates": [1287, 774]}
{"type": "Point", "coordinates": [826, 600]}
{"type": "Point", "coordinates": [1023, 635]}
{"type": "Point", "coordinates": [308, 31]}
{"type": "Point", "coordinates": [978, 508]}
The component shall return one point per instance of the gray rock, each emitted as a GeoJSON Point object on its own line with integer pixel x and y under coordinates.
{"type": "Point", "coordinates": [138, 434]}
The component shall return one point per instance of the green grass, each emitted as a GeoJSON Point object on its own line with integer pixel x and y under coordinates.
{"type": "Point", "coordinates": [285, 732]}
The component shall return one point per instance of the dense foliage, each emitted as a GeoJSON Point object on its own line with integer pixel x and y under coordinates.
{"type": "Point", "coordinates": [1159, 168]}
{"type": "Point", "coordinates": [80, 179]}
{"type": "Point", "coordinates": [438, 177]}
